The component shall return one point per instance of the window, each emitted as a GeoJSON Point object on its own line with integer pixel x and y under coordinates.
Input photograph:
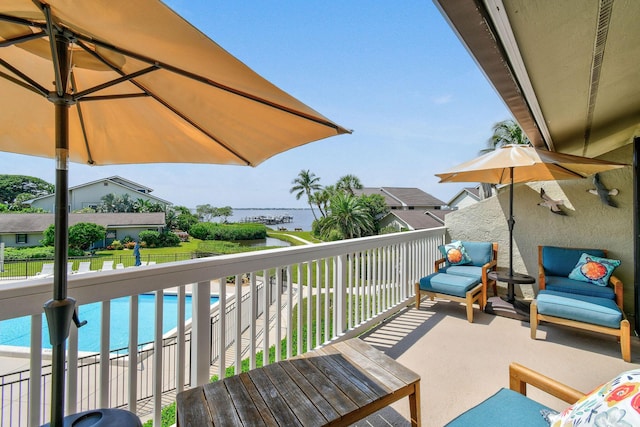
{"type": "Point", "coordinates": [21, 238]}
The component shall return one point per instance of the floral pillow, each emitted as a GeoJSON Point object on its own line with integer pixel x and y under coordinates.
{"type": "Point", "coordinates": [616, 403]}
{"type": "Point", "coordinates": [455, 253]}
{"type": "Point", "coordinates": [593, 269]}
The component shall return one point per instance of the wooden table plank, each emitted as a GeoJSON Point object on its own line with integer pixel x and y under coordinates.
{"type": "Point", "coordinates": [244, 404]}
{"type": "Point", "coordinates": [221, 406]}
{"type": "Point", "coordinates": [254, 395]}
{"type": "Point", "coordinates": [339, 401]}
{"type": "Point", "coordinates": [374, 371]}
{"type": "Point", "coordinates": [276, 404]}
{"type": "Point", "coordinates": [303, 407]}
{"type": "Point", "coordinates": [193, 406]}
{"type": "Point", "coordinates": [392, 365]}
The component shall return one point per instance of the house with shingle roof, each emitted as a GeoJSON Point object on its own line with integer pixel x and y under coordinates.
{"type": "Point", "coordinates": [410, 208]}
{"type": "Point", "coordinates": [27, 229]}
{"type": "Point", "coordinates": [90, 195]}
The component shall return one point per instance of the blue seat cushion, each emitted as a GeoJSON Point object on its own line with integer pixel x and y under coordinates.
{"type": "Point", "coordinates": [463, 270]}
{"type": "Point", "coordinates": [582, 308]}
{"type": "Point", "coordinates": [506, 408]}
{"type": "Point", "coordinates": [564, 284]}
{"type": "Point", "coordinates": [560, 261]}
{"type": "Point", "coordinates": [449, 284]}
{"type": "Point", "coordinates": [480, 252]}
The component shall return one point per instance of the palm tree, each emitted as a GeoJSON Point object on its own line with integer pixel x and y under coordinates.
{"type": "Point", "coordinates": [306, 183]}
{"type": "Point", "coordinates": [347, 215]}
{"type": "Point", "coordinates": [504, 133]}
{"type": "Point", "coordinates": [348, 183]}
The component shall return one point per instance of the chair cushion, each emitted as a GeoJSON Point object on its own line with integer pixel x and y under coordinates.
{"type": "Point", "coordinates": [615, 403]}
{"type": "Point", "coordinates": [505, 408]}
{"type": "Point", "coordinates": [594, 269]}
{"type": "Point", "coordinates": [463, 270]}
{"type": "Point", "coordinates": [479, 252]}
{"type": "Point", "coordinates": [454, 253]}
{"type": "Point", "coordinates": [449, 284]}
{"type": "Point", "coordinates": [560, 261]}
{"type": "Point", "coordinates": [564, 284]}
{"type": "Point", "coordinates": [582, 308]}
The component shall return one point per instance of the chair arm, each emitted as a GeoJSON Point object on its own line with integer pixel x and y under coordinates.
{"type": "Point", "coordinates": [520, 376]}
{"type": "Point", "coordinates": [439, 263]}
{"type": "Point", "coordinates": [619, 291]}
{"type": "Point", "coordinates": [541, 277]}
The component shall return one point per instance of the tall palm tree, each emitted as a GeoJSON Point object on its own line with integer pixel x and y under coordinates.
{"type": "Point", "coordinates": [504, 133]}
{"type": "Point", "coordinates": [348, 183]}
{"type": "Point", "coordinates": [306, 183]}
{"type": "Point", "coordinates": [348, 215]}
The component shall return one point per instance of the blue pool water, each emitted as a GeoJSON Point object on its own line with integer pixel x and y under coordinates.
{"type": "Point", "coordinates": [16, 332]}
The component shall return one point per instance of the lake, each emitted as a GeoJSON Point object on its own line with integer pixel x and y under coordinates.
{"type": "Point", "coordinates": [301, 218]}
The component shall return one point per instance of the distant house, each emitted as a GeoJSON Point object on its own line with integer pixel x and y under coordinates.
{"type": "Point", "coordinates": [90, 195]}
{"type": "Point", "coordinates": [469, 196]}
{"type": "Point", "coordinates": [405, 198]}
{"type": "Point", "coordinates": [28, 229]}
{"type": "Point", "coordinates": [411, 208]}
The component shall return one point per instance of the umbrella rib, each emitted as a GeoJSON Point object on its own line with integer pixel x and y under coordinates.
{"type": "Point", "coordinates": [82, 125]}
{"type": "Point", "coordinates": [209, 82]}
{"type": "Point", "coordinates": [28, 83]}
{"type": "Point", "coordinates": [124, 78]}
{"type": "Point", "coordinates": [22, 39]}
{"type": "Point", "coordinates": [21, 83]}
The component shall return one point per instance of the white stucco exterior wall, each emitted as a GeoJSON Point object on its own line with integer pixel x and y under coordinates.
{"type": "Point", "coordinates": [588, 223]}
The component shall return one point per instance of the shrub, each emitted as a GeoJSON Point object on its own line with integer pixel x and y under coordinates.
{"type": "Point", "coordinates": [151, 238]}
{"type": "Point", "coordinates": [228, 232]}
{"type": "Point", "coordinates": [169, 239]}
{"type": "Point", "coordinates": [116, 245]}
{"type": "Point", "coordinates": [129, 245]}
{"type": "Point", "coordinates": [28, 253]}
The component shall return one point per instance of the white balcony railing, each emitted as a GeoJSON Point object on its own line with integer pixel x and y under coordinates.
{"type": "Point", "coordinates": [338, 289]}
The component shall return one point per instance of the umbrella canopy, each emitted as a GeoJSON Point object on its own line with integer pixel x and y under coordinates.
{"type": "Point", "coordinates": [122, 82]}
{"type": "Point", "coordinates": [523, 163]}
{"type": "Point", "coordinates": [529, 164]}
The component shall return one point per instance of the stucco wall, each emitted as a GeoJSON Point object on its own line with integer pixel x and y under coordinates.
{"type": "Point", "coordinates": [588, 223]}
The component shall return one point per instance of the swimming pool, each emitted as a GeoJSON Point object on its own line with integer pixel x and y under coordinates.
{"type": "Point", "coordinates": [16, 332]}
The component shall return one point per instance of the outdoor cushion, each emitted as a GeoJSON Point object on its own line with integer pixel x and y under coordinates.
{"type": "Point", "coordinates": [449, 284]}
{"type": "Point", "coordinates": [560, 261]}
{"type": "Point", "coordinates": [479, 252]}
{"type": "Point", "coordinates": [582, 308]}
{"type": "Point", "coordinates": [463, 270]}
{"type": "Point", "coordinates": [505, 408]}
{"type": "Point", "coordinates": [564, 284]}
{"type": "Point", "coordinates": [454, 253]}
{"type": "Point", "coordinates": [594, 269]}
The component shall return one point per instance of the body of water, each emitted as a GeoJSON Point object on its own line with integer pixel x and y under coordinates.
{"type": "Point", "coordinates": [302, 218]}
{"type": "Point", "coordinates": [16, 332]}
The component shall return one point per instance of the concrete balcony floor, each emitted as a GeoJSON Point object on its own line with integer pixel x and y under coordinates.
{"type": "Point", "coordinates": [461, 364]}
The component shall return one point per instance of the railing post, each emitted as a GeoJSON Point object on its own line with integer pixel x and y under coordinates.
{"type": "Point", "coordinates": [404, 271]}
{"type": "Point", "coordinates": [35, 371]}
{"type": "Point", "coordinates": [341, 294]}
{"type": "Point", "coordinates": [200, 302]}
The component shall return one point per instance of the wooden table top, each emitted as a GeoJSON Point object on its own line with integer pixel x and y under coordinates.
{"type": "Point", "coordinates": [335, 385]}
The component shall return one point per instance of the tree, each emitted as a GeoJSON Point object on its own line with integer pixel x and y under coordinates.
{"type": "Point", "coordinates": [225, 212]}
{"type": "Point", "coordinates": [504, 133]}
{"type": "Point", "coordinates": [348, 183]}
{"type": "Point", "coordinates": [13, 185]}
{"type": "Point", "coordinates": [376, 207]}
{"type": "Point", "coordinates": [185, 218]}
{"type": "Point", "coordinates": [206, 212]}
{"type": "Point", "coordinates": [81, 235]}
{"type": "Point", "coordinates": [349, 216]}
{"type": "Point", "coordinates": [306, 183]}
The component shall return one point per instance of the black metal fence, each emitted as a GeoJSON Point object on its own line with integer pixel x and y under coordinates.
{"type": "Point", "coordinates": [34, 268]}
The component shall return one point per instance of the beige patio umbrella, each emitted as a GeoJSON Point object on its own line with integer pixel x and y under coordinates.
{"type": "Point", "coordinates": [523, 163]}
{"type": "Point", "coordinates": [129, 81]}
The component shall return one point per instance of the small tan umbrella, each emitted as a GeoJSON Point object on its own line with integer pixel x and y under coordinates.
{"type": "Point", "coordinates": [123, 82]}
{"type": "Point", "coordinates": [523, 163]}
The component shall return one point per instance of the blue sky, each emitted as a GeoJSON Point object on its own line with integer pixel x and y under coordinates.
{"type": "Point", "coordinates": [394, 72]}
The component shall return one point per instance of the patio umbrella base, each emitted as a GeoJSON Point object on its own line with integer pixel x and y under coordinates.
{"type": "Point", "coordinates": [101, 418]}
{"type": "Point", "coordinates": [516, 309]}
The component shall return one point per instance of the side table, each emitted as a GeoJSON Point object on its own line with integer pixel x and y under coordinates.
{"type": "Point", "coordinates": [510, 304]}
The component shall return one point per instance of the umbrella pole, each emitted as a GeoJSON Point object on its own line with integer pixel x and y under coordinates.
{"type": "Point", "coordinates": [511, 223]}
{"type": "Point", "coordinates": [60, 309]}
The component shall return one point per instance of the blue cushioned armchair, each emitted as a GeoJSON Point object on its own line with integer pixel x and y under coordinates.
{"type": "Point", "coordinates": [577, 303]}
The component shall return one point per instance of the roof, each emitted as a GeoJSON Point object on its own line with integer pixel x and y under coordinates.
{"type": "Point", "coordinates": [117, 180]}
{"type": "Point", "coordinates": [38, 222]}
{"type": "Point", "coordinates": [403, 197]}
{"type": "Point", "coordinates": [567, 70]}
{"type": "Point", "coordinates": [473, 192]}
{"type": "Point", "coordinates": [418, 219]}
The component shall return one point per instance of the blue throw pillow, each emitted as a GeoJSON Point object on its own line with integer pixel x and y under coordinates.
{"type": "Point", "coordinates": [455, 253]}
{"type": "Point", "coordinates": [593, 269]}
